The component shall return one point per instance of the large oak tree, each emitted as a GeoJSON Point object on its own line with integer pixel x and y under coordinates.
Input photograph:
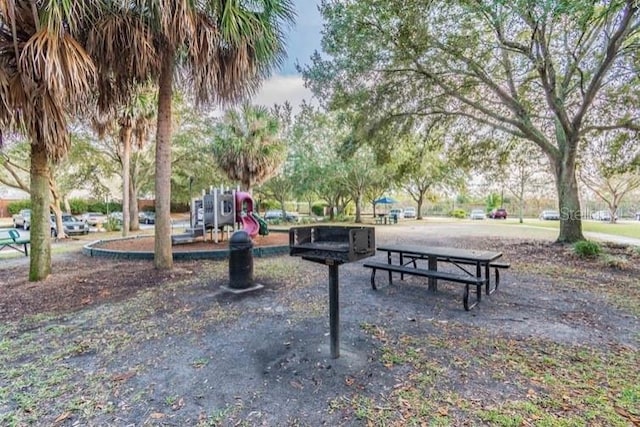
{"type": "Point", "coordinates": [547, 73]}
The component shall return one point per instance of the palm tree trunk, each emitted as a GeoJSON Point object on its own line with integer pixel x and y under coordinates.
{"type": "Point", "coordinates": [40, 261]}
{"type": "Point", "coordinates": [134, 225]}
{"type": "Point", "coordinates": [125, 134]}
{"type": "Point", "coordinates": [163, 258]}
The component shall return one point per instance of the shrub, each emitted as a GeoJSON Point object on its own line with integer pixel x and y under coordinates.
{"type": "Point", "coordinates": [15, 207]}
{"type": "Point", "coordinates": [112, 224]}
{"type": "Point", "coordinates": [78, 206]}
{"type": "Point", "coordinates": [458, 213]}
{"type": "Point", "coordinates": [586, 248]}
{"type": "Point", "coordinates": [318, 209]}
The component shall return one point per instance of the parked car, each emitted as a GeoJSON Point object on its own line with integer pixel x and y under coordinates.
{"type": "Point", "coordinates": [549, 215]}
{"type": "Point", "coordinates": [397, 212]}
{"type": "Point", "coordinates": [274, 215]}
{"type": "Point", "coordinates": [71, 225]}
{"type": "Point", "coordinates": [409, 212]}
{"type": "Point", "coordinates": [477, 214]}
{"type": "Point", "coordinates": [116, 215]}
{"type": "Point", "coordinates": [22, 219]}
{"type": "Point", "coordinates": [147, 217]}
{"type": "Point", "coordinates": [93, 218]}
{"type": "Point", "coordinates": [499, 213]}
{"type": "Point", "coordinates": [602, 216]}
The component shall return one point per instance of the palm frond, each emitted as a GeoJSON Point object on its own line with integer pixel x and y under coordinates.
{"type": "Point", "coordinates": [125, 52]}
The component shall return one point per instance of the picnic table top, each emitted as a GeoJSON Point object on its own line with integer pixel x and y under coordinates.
{"type": "Point", "coordinates": [444, 252]}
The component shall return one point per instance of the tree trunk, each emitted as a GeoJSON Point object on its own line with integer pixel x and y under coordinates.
{"type": "Point", "coordinates": [163, 258]}
{"type": "Point", "coordinates": [570, 219]}
{"type": "Point", "coordinates": [134, 225]}
{"type": "Point", "coordinates": [420, 202]}
{"type": "Point", "coordinates": [125, 137]}
{"type": "Point", "coordinates": [358, 209]}
{"type": "Point", "coordinates": [40, 260]}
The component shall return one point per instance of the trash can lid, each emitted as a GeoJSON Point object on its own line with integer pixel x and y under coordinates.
{"type": "Point", "coordinates": [240, 236]}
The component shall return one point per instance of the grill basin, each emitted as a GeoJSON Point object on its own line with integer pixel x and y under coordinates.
{"type": "Point", "coordinates": [332, 246]}
{"type": "Point", "coordinates": [329, 244]}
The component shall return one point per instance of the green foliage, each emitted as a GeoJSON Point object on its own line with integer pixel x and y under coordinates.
{"type": "Point", "coordinates": [112, 224]}
{"type": "Point", "coordinates": [180, 207]}
{"type": "Point", "coordinates": [15, 207]}
{"type": "Point", "coordinates": [458, 213]}
{"type": "Point", "coordinates": [493, 201]}
{"type": "Point", "coordinates": [586, 248]}
{"type": "Point", "coordinates": [341, 217]}
{"type": "Point", "coordinates": [318, 209]}
{"type": "Point", "coordinates": [93, 206]}
{"type": "Point", "coordinates": [248, 147]}
{"type": "Point", "coordinates": [78, 206]}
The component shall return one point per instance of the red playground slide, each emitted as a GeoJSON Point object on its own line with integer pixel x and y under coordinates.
{"type": "Point", "coordinates": [244, 208]}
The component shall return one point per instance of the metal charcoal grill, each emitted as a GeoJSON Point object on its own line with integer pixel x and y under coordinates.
{"type": "Point", "coordinates": [332, 246]}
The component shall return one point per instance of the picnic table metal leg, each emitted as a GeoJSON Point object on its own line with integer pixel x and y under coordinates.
{"type": "Point", "coordinates": [487, 276]}
{"type": "Point", "coordinates": [334, 311]}
{"type": "Point", "coordinates": [389, 261]}
{"type": "Point", "coordinates": [433, 265]}
{"type": "Point", "coordinates": [479, 275]}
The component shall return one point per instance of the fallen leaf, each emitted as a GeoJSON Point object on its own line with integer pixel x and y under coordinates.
{"type": "Point", "coordinates": [62, 417]}
{"type": "Point", "coordinates": [123, 376]}
{"type": "Point", "coordinates": [157, 415]}
{"type": "Point", "coordinates": [178, 405]}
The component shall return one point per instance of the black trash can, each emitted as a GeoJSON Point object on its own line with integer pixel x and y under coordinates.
{"type": "Point", "coordinates": [240, 260]}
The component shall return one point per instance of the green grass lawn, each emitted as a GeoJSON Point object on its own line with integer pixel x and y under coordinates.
{"type": "Point", "coordinates": [627, 229]}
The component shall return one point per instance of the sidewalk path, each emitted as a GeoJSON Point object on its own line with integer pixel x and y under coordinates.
{"type": "Point", "coordinates": [613, 238]}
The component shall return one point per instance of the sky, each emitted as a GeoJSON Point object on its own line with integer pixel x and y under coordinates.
{"type": "Point", "coordinates": [302, 40]}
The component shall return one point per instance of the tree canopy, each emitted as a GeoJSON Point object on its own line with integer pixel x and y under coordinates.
{"type": "Point", "coordinates": [548, 73]}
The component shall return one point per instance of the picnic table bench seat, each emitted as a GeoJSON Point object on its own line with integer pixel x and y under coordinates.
{"type": "Point", "coordinates": [465, 279]}
{"type": "Point", "coordinates": [11, 239]}
{"type": "Point", "coordinates": [496, 265]}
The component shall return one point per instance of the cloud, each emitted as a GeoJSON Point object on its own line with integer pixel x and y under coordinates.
{"type": "Point", "coordinates": [279, 89]}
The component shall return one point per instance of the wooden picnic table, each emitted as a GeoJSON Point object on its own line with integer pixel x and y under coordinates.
{"type": "Point", "coordinates": [463, 259]}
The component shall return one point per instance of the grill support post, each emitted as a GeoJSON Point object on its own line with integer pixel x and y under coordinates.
{"type": "Point", "coordinates": [334, 310]}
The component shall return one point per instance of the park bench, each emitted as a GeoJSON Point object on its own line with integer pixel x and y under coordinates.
{"type": "Point", "coordinates": [11, 239]}
{"type": "Point", "coordinates": [464, 279]}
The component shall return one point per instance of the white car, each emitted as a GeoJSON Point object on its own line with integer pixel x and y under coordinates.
{"type": "Point", "coordinates": [602, 216]}
{"type": "Point", "coordinates": [397, 212]}
{"type": "Point", "coordinates": [409, 212]}
{"type": "Point", "coordinates": [94, 218]}
{"type": "Point", "coordinates": [549, 215]}
{"type": "Point", "coordinates": [477, 214]}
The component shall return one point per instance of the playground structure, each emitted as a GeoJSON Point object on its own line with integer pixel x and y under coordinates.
{"type": "Point", "coordinates": [218, 211]}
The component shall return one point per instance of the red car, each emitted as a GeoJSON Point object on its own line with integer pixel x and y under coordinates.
{"type": "Point", "coordinates": [498, 214]}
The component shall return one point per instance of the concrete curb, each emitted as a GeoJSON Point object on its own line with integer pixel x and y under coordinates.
{"type": "Point", "coordinates": [259, 252]}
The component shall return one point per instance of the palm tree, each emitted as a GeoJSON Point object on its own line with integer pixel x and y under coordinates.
{"type": "Point", "coordinates": [223, 48]}
{"type": "Point", "coordinates": [45, 78]}
{"type": "Point", "coordinates": [133, 120]}
{"type": "Point", "coordinates": [247, 145]}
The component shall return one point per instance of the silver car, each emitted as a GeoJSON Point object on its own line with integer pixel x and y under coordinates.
{"type": "Point", "coordinates": [72, 226]}
{"type": "Point", "coordinates": [477, 214]}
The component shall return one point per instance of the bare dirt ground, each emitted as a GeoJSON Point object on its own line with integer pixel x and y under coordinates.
{"type": "Point", "coordinates": [107, 342]}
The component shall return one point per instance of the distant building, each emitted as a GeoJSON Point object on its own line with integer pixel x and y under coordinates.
{"type": "Point", "coordinates": [8, 195]}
